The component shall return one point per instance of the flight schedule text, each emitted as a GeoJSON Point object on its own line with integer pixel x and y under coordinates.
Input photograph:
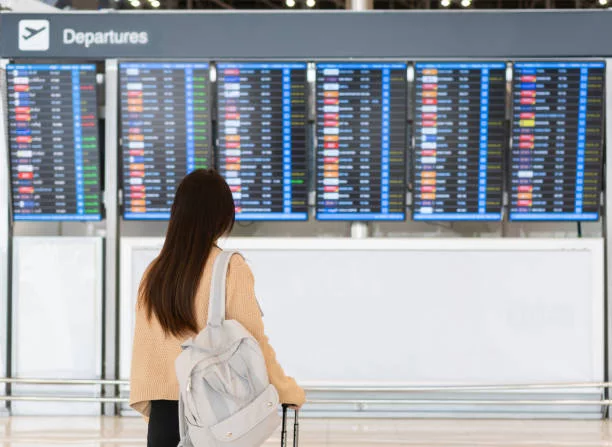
{"type": "Point", "coordinates": [459, 112]}
{"type": "Point", "coordinates": [165, 132]}
{"type": "Point", "coordinates": [557, 139]}
{"type": "Point", "coordinates": [361, 117]}
{"type": "Point", "coordinates": [53, 140]}
{"type": "Point", "coordinates": [262, 116]}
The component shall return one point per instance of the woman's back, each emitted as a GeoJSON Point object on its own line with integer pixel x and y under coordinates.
{"type": "Point", "coordinates": [153, 374]}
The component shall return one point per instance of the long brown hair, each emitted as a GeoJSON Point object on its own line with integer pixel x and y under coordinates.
{"type": "Point", "coordinates": [202, 212]}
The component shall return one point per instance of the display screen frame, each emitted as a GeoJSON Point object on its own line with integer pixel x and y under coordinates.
{"type": "Point", "coordinates": [364, 63]}
{"type": "Point", "coordinates": [56, 218]}
{"type": "Point", "coordinates": [536, 217]}
{"type": "Point", "coordinates": [158, 217]}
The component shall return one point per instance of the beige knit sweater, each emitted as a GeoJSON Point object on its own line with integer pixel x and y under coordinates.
{"type": "Point", "coordinates": [153, 376]}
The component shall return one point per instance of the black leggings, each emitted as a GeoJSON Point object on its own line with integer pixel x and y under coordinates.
{"type": "Point", "coordinates": [163, 424]}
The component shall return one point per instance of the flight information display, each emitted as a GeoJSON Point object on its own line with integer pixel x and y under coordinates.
{"type": "Point", "coordinates": [460, 112]}
{"type": "Point", "coordinates": [165, 132]}
{"type": "Point", "coordinates": [262, 117]}
{"type": "Point", "coordinates": [361, 141]}
{"type": "Point", "coordinates": [557, 138]}
{"type": "Point", "coordinates": [53, 140]}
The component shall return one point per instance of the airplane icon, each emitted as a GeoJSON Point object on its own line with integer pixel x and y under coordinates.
{"type": "Point", "coordinates": [34, 35]}
{"type": "Point", "coordinates": [33, 32]}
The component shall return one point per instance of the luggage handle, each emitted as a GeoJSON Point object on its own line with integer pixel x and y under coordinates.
{"type": "Point", "coordinates": [296, 427]}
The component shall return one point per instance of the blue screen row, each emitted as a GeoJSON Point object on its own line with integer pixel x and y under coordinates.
{"type": "Point", "coordinates": [458, 166]}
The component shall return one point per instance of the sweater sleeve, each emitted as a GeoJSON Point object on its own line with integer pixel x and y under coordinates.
{"type": "Point", "coordinates": [242, 306]}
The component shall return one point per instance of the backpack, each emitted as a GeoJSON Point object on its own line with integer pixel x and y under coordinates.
{"type": "Point", "coordinates": [226, 398]}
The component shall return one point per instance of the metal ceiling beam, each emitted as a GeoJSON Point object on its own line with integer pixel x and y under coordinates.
{"type": "Point", "coordinates": [219, 3]}
{"type": "Point", "coordinates": [271, 4]}
{"type": "Point", "coordinates": [222, 4]}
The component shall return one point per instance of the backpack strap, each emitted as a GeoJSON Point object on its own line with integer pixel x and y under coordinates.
{"type": "Point", "coordinates": [184, 442]}
{"type": "Point", "coordinates": [216, 305]}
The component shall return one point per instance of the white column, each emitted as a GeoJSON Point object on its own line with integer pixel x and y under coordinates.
{"type": "Point", "coordinates": [111, 242]}
{"type": "Point", "coordinates": [359, 5]}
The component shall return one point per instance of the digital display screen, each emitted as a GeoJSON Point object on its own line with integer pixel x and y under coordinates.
{"type": "Point", "coordinates": [460, 111]}
{"type": "Point", "coordinates": [53, 140]}
{"type": "Point", "coordinates": [262, 115]}
{"type": "Point", "coordinates": [165, 132]}
{"type": "Point", "coordinates": [361, 113]}
{"type": "Point", "coordinates": [557, 140]}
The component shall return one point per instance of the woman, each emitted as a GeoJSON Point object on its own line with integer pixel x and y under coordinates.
{"type": "Point", "coordinates": [173, 303]}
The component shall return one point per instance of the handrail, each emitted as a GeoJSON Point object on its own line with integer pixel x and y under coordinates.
{"type": "Point", "coordinates": [406, 389]}
{"type": "Point", "coordinates": [64, 399]}
{"type": "Point", "coordinates": [345, 389]}
{"type": "Point", "coordinates": [29, 381]}
{"type": "Point", "coordinates": [544, 402]}
{"type": "Point", "coordinates": [569, 402]}
{"type": "Point", "coordinates": [340, 388]}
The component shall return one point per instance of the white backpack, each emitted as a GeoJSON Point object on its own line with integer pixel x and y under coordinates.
{"type": "Point", "coordinates": [226, 398]}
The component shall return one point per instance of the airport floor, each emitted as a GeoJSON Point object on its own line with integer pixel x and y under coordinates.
{"type": "Point", "coordinates": [124, 432]}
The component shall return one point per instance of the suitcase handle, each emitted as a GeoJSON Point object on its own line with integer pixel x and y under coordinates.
{"type": "Point", "coordinates": [296, 427]}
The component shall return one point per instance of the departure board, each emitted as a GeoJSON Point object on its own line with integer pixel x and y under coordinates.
{"type": "Point", "coordinates": [165, 132]}
{"type": "Point", "coordinates": [361, 141]}
{"type": "Point", "coordinates": [262, 115]}
{"type": "Point", "coordinates": [557, 138]}
{"type": "Point", "coordinates": [53, 140]}
{"type": "Point", "coordinates": [460, 111]}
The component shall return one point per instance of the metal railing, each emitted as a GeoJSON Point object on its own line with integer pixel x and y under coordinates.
{"type": "Point", "coordinates": [435, 389]}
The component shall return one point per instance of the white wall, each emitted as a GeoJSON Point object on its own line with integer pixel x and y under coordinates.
{"type": "Point", "coordinates": [403, 312]}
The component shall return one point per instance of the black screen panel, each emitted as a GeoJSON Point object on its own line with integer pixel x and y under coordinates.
{"type": "Point", "coordinates": [262, 116]}
{"type": "Point", "coordinates": [361, 141]}
{"type": "Point", "coordinates": [53, 139]}
{"type": "Point", "coordinates": [557, 140]}
{"type": "Point", "coordinates": [165, 132]}
{"type": "Point", "coordinates": [460, 137]}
